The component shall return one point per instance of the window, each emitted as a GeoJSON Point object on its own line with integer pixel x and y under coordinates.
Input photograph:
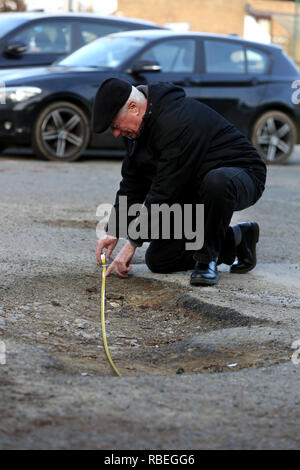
{"type": "Point", "coordinates": [46, 37]}
{"type": "Point", "coordinates": [91, 31]}
{"type": "Point", "coordinates": [109, 51]}
{"type": "Point", "coordinates": [257, 61]}
{"type": "Point", "coordinates": [177, 55]}
{"type": "Point", "coordinates": [224, 57]}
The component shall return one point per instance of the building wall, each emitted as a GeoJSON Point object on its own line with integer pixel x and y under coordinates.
{"type": "Point", "coordinates": [217, 16]}
{"type": "Point", "coordinates": [280, 35]}
{"type": "Point", "coordinates": [274, 5]}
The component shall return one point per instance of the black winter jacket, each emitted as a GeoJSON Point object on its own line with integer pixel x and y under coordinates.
{"type": "Point", "coordinates": [181, 140]}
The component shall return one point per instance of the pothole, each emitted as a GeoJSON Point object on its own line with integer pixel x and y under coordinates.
{"type": "Point", "coordinates": [152, 328]}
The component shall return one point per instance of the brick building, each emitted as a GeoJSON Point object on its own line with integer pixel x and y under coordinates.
{"type": "Point", "coordinates": [281, 17]}
{"type": "Point", "coordinates": [218, 16]}
{"type": "Point", "coordinates": [275, 17]}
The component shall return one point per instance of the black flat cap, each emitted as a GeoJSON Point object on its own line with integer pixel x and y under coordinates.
{"type": "Point", "coordinates": [110, 97]}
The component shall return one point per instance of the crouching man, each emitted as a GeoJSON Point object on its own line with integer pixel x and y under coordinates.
{"type": "Point", "coordinates": [180, 151]}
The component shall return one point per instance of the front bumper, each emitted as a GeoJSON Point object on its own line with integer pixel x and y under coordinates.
{"type": "Point", "coordinates": [16, 121]}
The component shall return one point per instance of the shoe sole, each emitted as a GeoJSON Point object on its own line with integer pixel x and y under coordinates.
{"type": "Point", "coordinates": [253, 248]}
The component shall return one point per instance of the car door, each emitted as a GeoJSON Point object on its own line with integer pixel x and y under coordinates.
{"type": "Point", "coordinates": [177, 58]}
{"type": "Point", "coordinates": [46, 40]}
{"type": "Point", "coordinates": [233, 79]}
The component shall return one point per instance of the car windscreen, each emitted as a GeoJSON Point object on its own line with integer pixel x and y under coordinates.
{"type": "Point", "coordinates": [109, 51]}
{"type": "Point", "coordinates": [9, 23]}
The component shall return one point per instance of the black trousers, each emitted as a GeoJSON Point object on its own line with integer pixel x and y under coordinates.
{"type": "Point", "coordinates": [222, 191]}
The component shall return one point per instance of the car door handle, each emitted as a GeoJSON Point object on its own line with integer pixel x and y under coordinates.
{"type": "Point", "coordinates": [195, 81]}
{"type": "Point", "coordinates": [256, 81]}
{"type": "Point", "coordinates": [187, 81]}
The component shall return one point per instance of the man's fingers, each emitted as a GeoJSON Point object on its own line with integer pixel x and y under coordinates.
{"type": "Point", "coordinates": [109, 269]}
{"type": "Point", "coordinates": [108, 253]}
{"type": "Point", "coordinates": [108, 244]}
{"type": "Point", "coordinates": [123, 270]}
{"type": "Point", "coordinates": [120, 268]}
{"type": "Point", "coordinates": [99, 249]}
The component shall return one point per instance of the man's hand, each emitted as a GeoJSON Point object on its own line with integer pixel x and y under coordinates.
{"type": "Point", "coordinates": [122, 260]}
{"type": "Point", "coordinates": [107, 242]}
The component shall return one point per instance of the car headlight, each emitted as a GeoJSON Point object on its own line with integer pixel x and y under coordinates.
{"type": "Point", "coordinates": [17, 94]}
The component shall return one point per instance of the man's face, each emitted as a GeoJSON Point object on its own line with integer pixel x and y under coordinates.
{"type": "Point", "coordinates": [128, 124]}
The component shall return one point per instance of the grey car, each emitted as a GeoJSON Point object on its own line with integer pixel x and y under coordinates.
{"type": "Point", "coordinates": [36, 38]}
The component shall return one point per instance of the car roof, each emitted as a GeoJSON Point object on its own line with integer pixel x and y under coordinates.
{"type": "Point", "coordinates": [32, 15]}
{"type": "Point", "coordinates": [162, 33]}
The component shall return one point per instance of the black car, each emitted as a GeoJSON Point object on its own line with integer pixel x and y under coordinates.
{"type": "Point", "coordinates": [36, 38]}
{"type": "Point", "coordinates": [249, 83]}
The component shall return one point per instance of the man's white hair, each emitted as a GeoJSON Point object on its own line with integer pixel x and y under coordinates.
{"type": "Point", "coordinates": [135, 95]}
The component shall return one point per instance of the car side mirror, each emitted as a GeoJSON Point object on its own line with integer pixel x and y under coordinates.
{"type": "Point", "coordinates": [145, 66]}
{"type": "Point", "coordinates": [15, 49]}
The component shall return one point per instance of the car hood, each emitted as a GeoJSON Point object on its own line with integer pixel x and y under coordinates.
{"type": "Point", "coordinates": [22, 75]}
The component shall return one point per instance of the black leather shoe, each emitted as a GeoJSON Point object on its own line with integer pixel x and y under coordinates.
{"type": "Point", "coordinates": [246, 250]}
{"type": "Point", "coordinates": [205, 274]}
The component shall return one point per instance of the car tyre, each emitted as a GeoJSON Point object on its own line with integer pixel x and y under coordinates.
{"type": "Point", "coordinates": [61, 132]}
{"type": "Point", "coordinates": [274, 137]}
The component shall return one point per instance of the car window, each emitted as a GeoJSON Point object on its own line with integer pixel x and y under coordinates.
{"type": "Point", "coordinates": [46, 38]}
{"type": "Point", "coordinates": [109, 51]}
{"type": "Point", "coordinates": [257, 61]}
{"type": "Point", "coordinates": [91, 31]}
{"type": "Point", "coordinates": [224, 57]}
{"type": "Point", "coordinates": [176, 55]}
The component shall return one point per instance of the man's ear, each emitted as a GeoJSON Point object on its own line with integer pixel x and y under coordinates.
{"type": "Point", "coordinates": [133, 107]}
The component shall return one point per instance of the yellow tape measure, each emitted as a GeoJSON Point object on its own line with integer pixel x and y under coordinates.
{"type": "Point", "coordinates": [103, 316]}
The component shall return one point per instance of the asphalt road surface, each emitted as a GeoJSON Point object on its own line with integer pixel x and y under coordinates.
{"type": "Point", "coordinates": [202, 368]}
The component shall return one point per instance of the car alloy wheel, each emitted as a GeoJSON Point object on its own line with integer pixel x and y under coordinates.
{"type": "Point", "coordinates": [61, 132]}
{"type": "Point", "coordinates": [274, 136]}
